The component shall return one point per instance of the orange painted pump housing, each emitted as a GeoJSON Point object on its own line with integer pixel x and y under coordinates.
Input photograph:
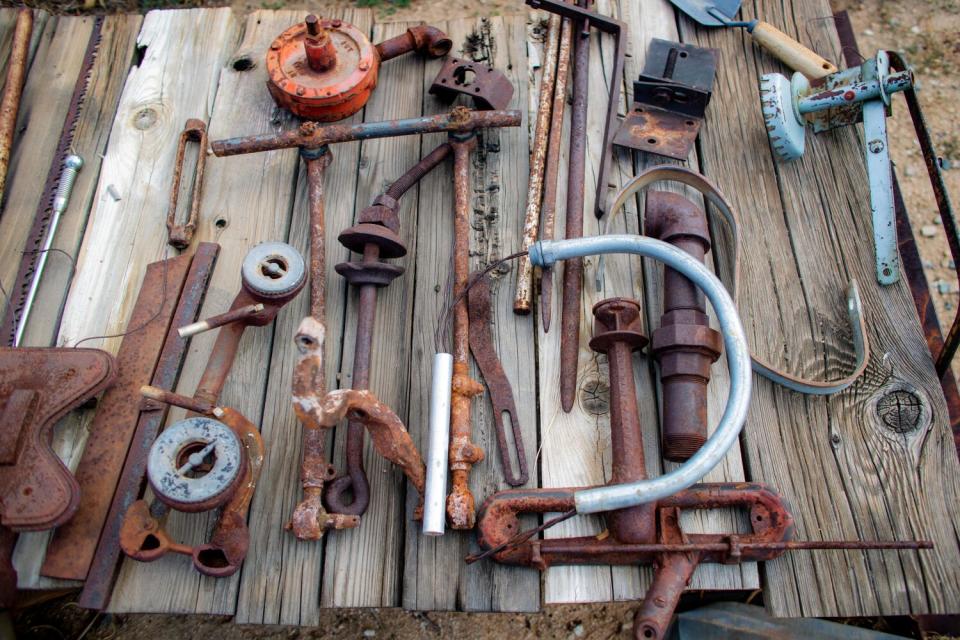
{"type": "Point", "coordinates": [325, 70]}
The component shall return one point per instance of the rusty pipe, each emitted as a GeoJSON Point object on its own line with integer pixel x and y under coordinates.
{"type": "Point", "coordinates": [548, 210]}
{"type": "Point", "coordinates": [461, 509]}
{"type": "Point", "coordinates": [13, 89]}
{"type": "Point", "coordinates": [617, 333]}
{"type": "Point", "coordinates": [523, 298]}
{"type": "Point", "coordinates": [311, 135]}
{"type": "Point", "coordinates": [375, 237]}
{"type": "Point", "coordinates": [317, 162]}
{"type": "Point", "coordinates": [423, 39]}
{"type": "Point", "coordinates": [684, 345]}
{"type": "Point", "coordinates": [573, 268]}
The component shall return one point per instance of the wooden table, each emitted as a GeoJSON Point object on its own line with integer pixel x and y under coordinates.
{"type": "Point", "coordinates": [805, 232]}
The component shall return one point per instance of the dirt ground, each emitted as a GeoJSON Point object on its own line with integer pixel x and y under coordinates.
{"type": "Point", "coordinates": [928, 32]}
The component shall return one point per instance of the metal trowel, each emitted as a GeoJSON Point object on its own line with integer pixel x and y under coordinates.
{"type": "Point", "coordinates": [722, 13]}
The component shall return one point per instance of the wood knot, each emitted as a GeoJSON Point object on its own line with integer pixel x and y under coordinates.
{"type": "Point", "coordinates": [900, 410]}
{"type": "Point", "coordinates": [595, 396]}
{"type": "Point", "coordinates": [145, 118]}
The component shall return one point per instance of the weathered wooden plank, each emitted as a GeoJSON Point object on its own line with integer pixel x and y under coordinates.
{"type": "Point", "coordinates": [96, 117]}
{"type": "Point", "coordinates": [362, 565]}
{"type": "Point", "coordinates": [435, 574]}
{"type": "Point", "coordinates": [182, 59]}
{"type": "Point", "coordinates": [846, 474]}
{"type": "Point", "coordinates": [656, 19]}
{"type": "Point", "coordinates": [282, 582]}
{"type": "Point", "coordinates": [239, 215]}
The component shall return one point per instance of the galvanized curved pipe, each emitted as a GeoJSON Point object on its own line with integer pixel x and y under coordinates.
{"type": "Point", "coordinates": [609, 498]}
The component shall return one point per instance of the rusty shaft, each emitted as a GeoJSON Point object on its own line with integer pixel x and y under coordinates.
{"type": "Point", "coordinates": [375, 237]}
{"type": "Point", "coordinates": [13, 89]}
{"type": "Point", "coordinates": [423, 39]}
{"type": "Point", "coordinates": [313, 136]}
{"type": "Point", "coordinates": [573, 268]}
{"type": "Point", "coordinates": [617, 332]}
{"type": "Point", "coordinates": [523, 298]}
{"type": "Point", "coordinates": [461, 509]}
{"type": "Point", "coordinates": [685, 346]}
{"type": "Point", "coordinates": [548, 211]}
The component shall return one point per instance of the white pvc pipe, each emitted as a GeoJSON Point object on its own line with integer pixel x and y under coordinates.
{"type": "Point", "coordinates": [438, 447]}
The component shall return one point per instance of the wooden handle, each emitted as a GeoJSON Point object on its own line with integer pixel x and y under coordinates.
{"type": "Point", "coordinates": [790, 52]}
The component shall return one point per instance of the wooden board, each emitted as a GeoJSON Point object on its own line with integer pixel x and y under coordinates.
{"type": "Point", "coordinates": [806, 232]}
{"type": "Point", "coordinates": [833, 460]}
{"type": "Point", "coordinates": [435, 575]}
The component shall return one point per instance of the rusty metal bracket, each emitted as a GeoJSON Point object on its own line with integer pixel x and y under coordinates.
{"type": "Point", "coordinates": [669, 99]}
{"type": "Point", "coordinates": [198, 464]}
{"type": "Point", "coordinates": [180, 235]}
{"type": "Point", "coordinates": [100, 576]}
{"type": "Point", "coordinates": [498, 385]}
{"type": "Point", "coordinates": [38, 386]}
{"type": "Point", "coordinates": [72, 547]}
{"type": "Point", "coordinates": [488, 87]}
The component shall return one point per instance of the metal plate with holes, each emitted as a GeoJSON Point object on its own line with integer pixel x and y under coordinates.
{"type": "Point", "coordinates": [195, 464]}
{"type": "Point", "coordinates": [489, 88]}
{"type": "Point", "coordinates": [669, 99]}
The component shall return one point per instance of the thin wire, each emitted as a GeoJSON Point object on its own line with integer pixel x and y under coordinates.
{"type": "Point", "coordinates": [144, 325]}
{"type": "Point", "coordinates": [440, 335]}
{"type": "Point", "coordinates": [521, 537]}
{"type": "Point", "coordinates": [843, 49]}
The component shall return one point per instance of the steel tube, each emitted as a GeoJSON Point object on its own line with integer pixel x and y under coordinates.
{"type": "Point", "coordinates": [856, 92]}
{"type": "Point", "coordinates": [546, 253]}
{"type": "Point", "coordinates": [434, 514]}
{"type": "Point", "coordinates": [13, 88]}
{"type": "Point", "coordinates": [312, 136]}
{"type": "Point", "coordinates": [201, 326]}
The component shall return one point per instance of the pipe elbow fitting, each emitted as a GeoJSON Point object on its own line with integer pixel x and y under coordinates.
{"type": "Point", "coordinates": [430, 41]}
{"type": "Point", "coordinates": [669, 216]}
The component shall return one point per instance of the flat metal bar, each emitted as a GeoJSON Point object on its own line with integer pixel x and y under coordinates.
{"type": "Point", "coordinates": [100, 577]}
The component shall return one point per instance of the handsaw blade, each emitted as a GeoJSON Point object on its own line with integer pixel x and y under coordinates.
{"type": "Point", "coordinates": [41, 221]}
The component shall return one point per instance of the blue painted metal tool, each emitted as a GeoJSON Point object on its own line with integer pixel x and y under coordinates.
{"type": "Point", "coordinates": [846, 97]}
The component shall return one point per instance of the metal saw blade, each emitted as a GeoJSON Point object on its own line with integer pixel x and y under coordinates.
{"type": "Point", "coordinates": [17, 294]}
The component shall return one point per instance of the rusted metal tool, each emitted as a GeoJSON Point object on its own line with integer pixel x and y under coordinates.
{"type": "Point", "coordinates": [325, 70]}
{"type": "Point", "coordinates": [71, 550]}
{"type": "Point", "coordinates": [103, 568]}
{"type": "Point", "coordinates": [523, 298]}
{"type": "Point", "coordinates": [198, 464]}
{"type": "Point", "coordinates": [375, 237]}
{"type": "Point", "coordinates": [489, 88]}
{"type": "Point", "coordinates": [45, 212]}
{"type": "Point", "coordinates": [319, 411]}
{"type": "Point", "coordinates": [674, 553]}
{"type": "Point", "coordinates": [180, 234]}
{"type": "Point", "coordinates": [669, 99]}
{"type": "Point", "coordinates": [684, 345]}
{"type": "Point", "coordinates": [648, 532]}
{"type": "Point", "coordinates": [583, 20]}
{"type": "Point", "coordinates": [13, 88]}
{"type": "Point", "coordinates": [213, 459]}
{"type": "Point", "coordinates": [38, 387]}
{"type": "Point", "coordinates": [548, 210]}
{"type": "Point", "coordinates": [313, 141]}
{"type": "Point", "coordinates": [498, 385]}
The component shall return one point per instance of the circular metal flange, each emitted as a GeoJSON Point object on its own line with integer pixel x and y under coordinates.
{"type": "Point", "coordinates": [784, 127]}
{"type": "Point", "coordinates": [273, 269]}
{"type": "Point", "coordinates": [178, 461]}
{"type": "Point", "coordinates": [358, 236]}
{"type": "Point", "coordinates": [328, 95]}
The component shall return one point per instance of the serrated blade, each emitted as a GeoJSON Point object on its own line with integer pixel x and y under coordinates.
{"type": "Point", "coordinates": [41, 220]}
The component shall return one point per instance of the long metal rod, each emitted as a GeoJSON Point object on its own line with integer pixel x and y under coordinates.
{"type": "Point", "coordinates": [523, 298]}
{"type": "Point", "coordinates": [13, 89]}
{"type": "Point", "coordinates": [573, 268]}
{"type": "Point", "coordinates": [738, 360]}
{"type": "Point", "coordinates": [548, 211]}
